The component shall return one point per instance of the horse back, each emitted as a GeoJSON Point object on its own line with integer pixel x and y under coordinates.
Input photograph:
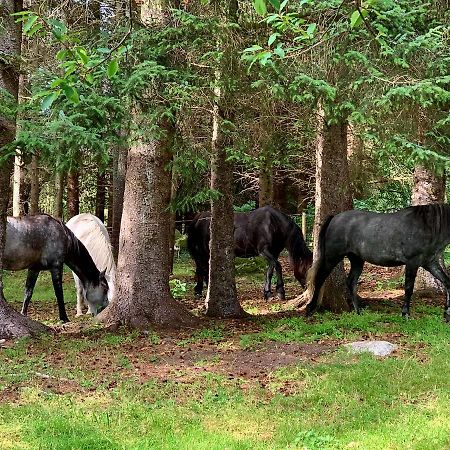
{"type": "Point", "coordinates": [38, 241]}
{"type": "Point", "coordinates": [385, 239]}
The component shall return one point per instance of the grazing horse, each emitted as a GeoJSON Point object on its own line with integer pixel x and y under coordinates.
{"type": "Point", "coordinates": [91, 231]}
{"type": "Point", "coordinates": [264, 231]}
{"type": "Point", "coordinates": [43, 243]}
{"type": "Point", "coordinates": [414, 237]}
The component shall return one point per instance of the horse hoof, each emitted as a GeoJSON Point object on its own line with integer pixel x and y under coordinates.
{"type": "Point", "coordinates": [281, 296]}
{"type": "Point", "coordinates": [268, 296]}
{"type": "Point", "coordinates": [447, 317]}
{"type": "Point", "coordinates": [309, 311]}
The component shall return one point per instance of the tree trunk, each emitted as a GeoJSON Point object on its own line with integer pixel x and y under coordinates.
{"type": "Point", "coordinates": [100, 195]}
{"type": "Point", "coordinates": [59, 194]}
{"type": "Point", "coordinates": [17, 183]}
{"type": "Point", "coordinates": [172, 219]}
{"type": "Point", "coordinates": [142, 297]}
{"type": "Point", "coordinates": [265, 195]}
{"type": "Point", "coordinates": [119, 171]}
{"type": "Point", "coordinates": [427, 188]}
{"type": "Point", "coordinates": [110, 197]}
{"type": "Point", "coordinates": [12, 324]}
{"type": "Point", "coordinates": [332, 197]}
{"type": "Point", "coordinates": [142, 288]}
{"type": "Point", "coordinates": [73, 194]}
{"type": "Point", "coordinates": [221, 298]}
{"type": "Point", "coordinates": [34, 191]}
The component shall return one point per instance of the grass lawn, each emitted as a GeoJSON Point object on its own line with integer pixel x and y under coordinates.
{"type": "Point", "coordinates": [276, 381]}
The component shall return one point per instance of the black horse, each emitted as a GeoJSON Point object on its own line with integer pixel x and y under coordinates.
{"type": "Point", "coordinates": [414, 237]}
{"type": "Point", "coordinates": [43, 243]}
{"type": "Point", "coordinates": [264, 231]}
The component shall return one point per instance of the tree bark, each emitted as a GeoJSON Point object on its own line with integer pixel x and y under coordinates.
{"type": "Point", "coordinates": [12, 324]}
{"type": "Point", "coordinates": [100, 196]}
{"type": "Point", "coordinates": [143, 295]}
{"type": "Point", "coordinates": [34, 191]}
{"type": "Point", "coordinates": [265, 194]}
{"type": "Point", "coordinates": [172, 220]}
{"type": "Point", "coordinates": [332, 197]}
{"type": "Point", "coordinates": [427, 188]}
{"type": "Point", "coordinates": [59, 194]}
{"type": "Point", "coordinates": [221, 298]}
{"type": "Point", "coordinates": [119, 171]}
{"type": "Point", "coordinates": [73, 194]}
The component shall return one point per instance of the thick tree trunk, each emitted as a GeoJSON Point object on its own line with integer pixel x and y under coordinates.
{"type": "Point", "coordinates": [100, 196]}
{"type": "Point", "coordinates": [119, 171]}
{"type": "Point", "coordinates": [12, 324]}
{"type": "Point", "coordinates": [73, 194]}
{"type": "Point", "coordinates": [59, 194]}
{"type": "Point", "coordinates": [332, 196]}
{"type": "Point", "coordinates": [34, 181]}
{"type": "Point", "coordinates": [427, 188]}
{"type": "Point", "coordinates": [221, 298]}
{"type": "Point", "coordinates": [142, 288]}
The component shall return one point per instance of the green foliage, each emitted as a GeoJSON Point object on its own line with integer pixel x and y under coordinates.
{"type": "Point", "coordinates": [178, 288]}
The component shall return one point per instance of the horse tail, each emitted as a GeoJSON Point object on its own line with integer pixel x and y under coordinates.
{"type": "Point", "coordinates": [299, 253]}
{"type": "Point", "coordinates": [314, 269]}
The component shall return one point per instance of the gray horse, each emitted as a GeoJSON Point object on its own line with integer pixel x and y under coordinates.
{"type": "Point", "coordinates": [415, 237]}
{"type": "Point", "coordinates": [43, 243]}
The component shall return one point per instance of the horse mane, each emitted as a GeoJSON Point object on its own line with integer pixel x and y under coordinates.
{"type": "Point", "coordinates": [78, 256]}
{"type": "Point", "coordinates": [435, 217]}
{"type": "Point", "coordinates": [296, 245]}
{"type": "Point", "coordinates": [95, 238]}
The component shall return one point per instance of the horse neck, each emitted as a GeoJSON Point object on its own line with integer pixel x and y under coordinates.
{"type": "Point", "coordinates": [79, 260]}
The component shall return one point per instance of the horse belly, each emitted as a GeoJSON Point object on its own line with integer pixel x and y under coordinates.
{"type": "Point", "coordinates": [20, 258]}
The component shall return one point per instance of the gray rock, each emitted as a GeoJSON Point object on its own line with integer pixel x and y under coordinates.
{"type": "Point", "coordinates": [377, 348]}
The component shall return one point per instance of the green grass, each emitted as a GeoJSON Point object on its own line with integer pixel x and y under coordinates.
{"type": "Point", "coordinates": [87, 391]}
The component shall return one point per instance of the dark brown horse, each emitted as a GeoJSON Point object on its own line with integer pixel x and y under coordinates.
{"type": "Point", "coordinates": [264, 231]}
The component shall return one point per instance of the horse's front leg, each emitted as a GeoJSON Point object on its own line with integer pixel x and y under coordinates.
{"type": "Point", "coordinates": [57, 286]}
{"type": "Point", "coordinates": [80, 295]}
{"type": "Point", "coordinates": [410, 278]}
{"type": "Point", "coordinates": [438, 272]}
{"type": "Point", "coordinates": [32, 276]}
{"type": "Point", "coordinates": [269, 274]}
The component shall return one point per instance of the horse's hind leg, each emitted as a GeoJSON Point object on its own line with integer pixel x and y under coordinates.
{"type": "Point", "coordinates": [410, 278]}
{"type": "Point", "coordinates": [29, 287]}
{"type": "Point", "coordinates": [281, 294]}
{"type": "Point", "coordinates": [57, 286]}
{"type": "Point", "coordinates": [324, 268]}
{"type": "Point", "coordinates": [357, 265]}
{"type": "Point", "coordinates": [269, 274]}
{"type": "Point", "coordinates": [201, 275]}
{"type": "Point", "coordinates": [438, 272]}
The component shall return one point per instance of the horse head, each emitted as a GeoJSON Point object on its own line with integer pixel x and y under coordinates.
{"type": "Point", "coordinates": [301, 268]}
{"type": "Point", "coordinates": [97, 293]}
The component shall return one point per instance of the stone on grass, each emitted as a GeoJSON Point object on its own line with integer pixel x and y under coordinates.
{"type": "Point", "coordinates": [377, 348]}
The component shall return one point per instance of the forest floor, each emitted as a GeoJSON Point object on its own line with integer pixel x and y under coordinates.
{"type": "Point", "coordinates": [275, 380]}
